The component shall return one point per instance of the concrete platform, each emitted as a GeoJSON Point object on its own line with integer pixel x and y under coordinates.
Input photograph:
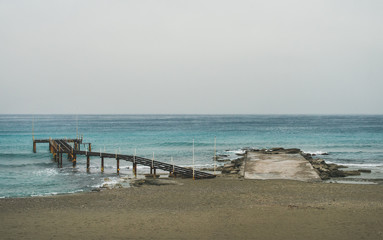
{"type": "Point", "coordinates": [260, 165]}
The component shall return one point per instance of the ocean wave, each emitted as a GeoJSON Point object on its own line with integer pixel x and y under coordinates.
{"type": "Point", "coordinates": [55, 193]}
{"type": "Point", "coordinates": [239, 151]}
{"type": "Point", "coordinates": [362, 165]}
{"type": "Point", "coordinates": [40, 164]}
{"type": "Point", "coordinates": [182, 144]}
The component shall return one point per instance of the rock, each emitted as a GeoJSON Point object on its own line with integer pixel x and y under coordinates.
{"type": "Point", "coordinates": [318, 161]}
{"type": "Point", "coordinates": [107, 186]}
{"type": "Point", "coordinates": [229, 165]}
{"type": "Point", "coordinates": [337, 173]}
{"type": "Point", "coordinates": [96, 189]}
{"type": "Point", "coordinates": [227, 170]}
{"type": "Point", "coordinates": [364, 170]}
{"type": "Point", "coordinates": [153, 176]}
{"type": "Point", "coordinates": [277, 149]}
{"type": "Point", "coordinates": [323, 169]}
{"type": "Point", "coordinates": [332, 166]}
{"type": "Point", "coordinates": [324, 176]}
{"type": "Point", "coordinates": [219, 168]}
{"type": "Point", "coordinates": [223, 160]}
{"type": "Point", "coordinates": [351, 173]}
{"type": "Point", "coordinates": [342, 166]}
{"type": "Point", "coordinates": [292, 151]}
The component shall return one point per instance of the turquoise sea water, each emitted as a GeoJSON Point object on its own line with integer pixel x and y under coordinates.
{"type": "Point", "coordinates": [356, 141]}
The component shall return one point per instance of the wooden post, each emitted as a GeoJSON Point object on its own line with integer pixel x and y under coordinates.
{"type": "Point", "coordinates": [34, 146]}
{"type": "Point", "coordinates": [58, 157]}
{"type": "Point", "coordinates": [87, 162]}
{"type": "Point", "coordinates": [90, 147]}
{"type": "Point", "coordinates": [102, 164]}
{"type": "Point", "coordinates": [154, 175]}
{"type": "Point", "coordinates": [118, 166]}
{"type": "Point", "coordinates": [61, 160]}
{"type": "Point", "coordinates": [74, 160]}
{"type": "Point", "coordinates": [134, 164]}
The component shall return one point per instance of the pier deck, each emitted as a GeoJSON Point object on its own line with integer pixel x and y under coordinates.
{"type": "Point", "coordinates": [59, 146]}
{"type": "Point", "coordinates": [259, 165]}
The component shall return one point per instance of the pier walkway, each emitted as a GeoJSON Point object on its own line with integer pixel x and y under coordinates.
{"type": "Point", "coordinates": [58, 147]}
{"type": "Point", "coordinates": [278, 165]}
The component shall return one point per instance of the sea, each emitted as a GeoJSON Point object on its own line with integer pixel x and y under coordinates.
{"type": "Point", "coordinates": [355, 141]}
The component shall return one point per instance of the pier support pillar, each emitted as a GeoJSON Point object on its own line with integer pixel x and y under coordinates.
{"type": "Point", "coordinates": [118, 166]}
{"type": "Point", "coordinates": [90, 147]}
{"type": "Point", "coordinates": [58, 158]}
{"type": "Point", "coordinates": [74, 160]}
{"type": "Point", "coordinates": [34, 146]}
{"type": "Point", "coordinates": [135, 169]}
{"type": "Point", "coordinates": [151, 170]}
{"type": "Point", "coordinates": [87, 162]}
{"type": "Point", "coordinates": [102, 164]}
{"type": "Point", "coordinates": [155, 173]}
{"type": "Point", "coordinates": [61, 160]}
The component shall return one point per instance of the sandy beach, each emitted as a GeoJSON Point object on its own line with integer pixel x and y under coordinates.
{"type": "Point", "coordinates": [221, 208]}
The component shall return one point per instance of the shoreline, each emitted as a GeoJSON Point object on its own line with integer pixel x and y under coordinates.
{"type": "Point", "coordinates": [214, 208]}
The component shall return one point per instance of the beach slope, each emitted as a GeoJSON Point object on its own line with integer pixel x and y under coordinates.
{"type": "Point", "coordinates": [221, 208]}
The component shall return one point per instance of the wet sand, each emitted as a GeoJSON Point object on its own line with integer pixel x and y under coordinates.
{"type": "Point", "coordinates": [221, 208]}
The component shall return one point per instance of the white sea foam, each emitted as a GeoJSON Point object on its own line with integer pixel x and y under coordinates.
{"type": "Point", "coordinates": [239, 151]}
{"type": "Point", "coordinates": [316, 152]}
{"type": "Point", "coordinates": [362, 165]}
{"type": "Point", "coordinates": [46, 172]}
{"type": "Point", "coordinates": [351, 182]}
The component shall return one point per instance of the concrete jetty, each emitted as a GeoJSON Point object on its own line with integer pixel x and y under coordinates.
{"type": "Point", "coordinates": [277, 165]}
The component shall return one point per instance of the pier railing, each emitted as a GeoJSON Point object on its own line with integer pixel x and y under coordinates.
{"type": "Point", "coordinates": [58, 147]}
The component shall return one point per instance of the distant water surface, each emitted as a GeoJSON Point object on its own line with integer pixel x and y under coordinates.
{"type": "Point", "coordinates": [356, 141]}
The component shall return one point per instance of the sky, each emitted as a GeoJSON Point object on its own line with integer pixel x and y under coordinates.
{"type": "Point", "coordinates": [191, 57]}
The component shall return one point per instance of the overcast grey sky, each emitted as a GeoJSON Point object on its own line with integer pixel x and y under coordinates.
{"type": "Point", "coordinates": [199, 56]}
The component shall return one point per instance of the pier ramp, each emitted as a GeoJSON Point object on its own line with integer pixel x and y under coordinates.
{"type": "Point", "coordinates": [278, 165]}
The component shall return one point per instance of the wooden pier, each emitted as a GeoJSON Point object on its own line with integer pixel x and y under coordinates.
{"type": "Point", "coordinates": [58, 147]}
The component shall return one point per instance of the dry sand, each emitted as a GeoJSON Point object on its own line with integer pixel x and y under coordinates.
{"type": "Point", "coordinates": [221, 208]}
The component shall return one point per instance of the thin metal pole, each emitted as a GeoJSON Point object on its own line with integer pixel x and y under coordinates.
{"type": "Point", "coordinates": [172, 163]}
{"type": "Point", "coordinates": [193, 160]}
{"type": "Point", "coordinates": [215, 153]}
{"type": "Point", "coordinates": [33, 128]}
{"type": "Point", "coordinates": [76, 126]}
